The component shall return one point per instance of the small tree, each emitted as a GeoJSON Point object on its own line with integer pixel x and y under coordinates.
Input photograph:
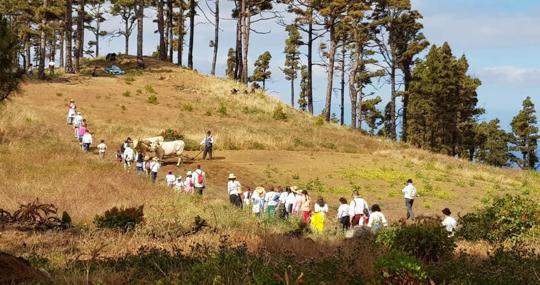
{"type": "Point", "coordinates": [292, 56]}
{"type": "Point", "coordinates": [9, 78]}
{"type": "Point", "coordinates": [371, 115]}
{"type": "Point", "coordinates": [304, 88]}
{"type": "Point", "coordinates": [262, 66]}
{"type": "Point", "coordinates": [231, 63]}
{"type": "Point", "coordinates": [126, 10]}
{"type": "Point", "coordinates": [492, 144]}
{"type": "Point", "coordinates": [525, 135]}
{"type": "Point", "coordinates": [95, 14]}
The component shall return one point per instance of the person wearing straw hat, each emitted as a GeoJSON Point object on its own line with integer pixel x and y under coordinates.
{"type": "Point", "coordinates": [154, 168]}
{"type": "Point", "coordinates": [257, 199]}
{"type": "Point", "coordinates": [188, 183]}
{"type": "Point", "coordinates": [179, 184]}
{"type": "Point", "coordinates": [233, 188]}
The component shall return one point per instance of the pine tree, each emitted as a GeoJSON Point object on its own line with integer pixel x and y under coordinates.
{"type": "Point", "coordinates": [261, 72]}
{"type": "Point", "coordinates": [292, 57]}
{"type": "Point", "coordinates": [8, 52]}
{"type": "Point", "coordinates": [215, 43]}
{"type": "Point", "coordinates": [95, 14]}
{"type": "Point", "coordinates": [492, 144]}
{"type": "Point", "coordinates": [443, 102]}
{"type": "Point", "coordinates": [231, 60]}
{"type": "Point", "coordinates": [371, 114]}
{"type": "Point", "coordinates": [192, 13]}
{"type": "Point", "coordinates": [525, 136]}
{"type": "Point", "coordinates": [126, 10]}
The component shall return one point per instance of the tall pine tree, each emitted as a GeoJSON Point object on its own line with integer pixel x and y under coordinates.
{"type": "Point", "coordinates": [262, 72]}
{"type": "Point", "coordinates": [292, 57]}
{"type": "Point", "coordinates": [525, 136]}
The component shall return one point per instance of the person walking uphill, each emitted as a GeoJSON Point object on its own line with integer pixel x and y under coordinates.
{"type": "Point", "coordinates": [154, 168]}
{"type": "Point", "coordinates": [208, 143]}
{"type": "Point", "coordinates": [359, 210]}
{"type": "Point", "coordinates": [199, 180]}
{"type": "Point", "coordinates": [234, 188]}
{"type": "Point", "coordinates": [409, 193]}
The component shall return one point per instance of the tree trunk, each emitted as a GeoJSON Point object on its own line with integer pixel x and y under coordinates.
{"type": "Point", "coordinates": [69, 36]}
{"type": "Point", "coordinates": [191, 32]}
{"type": "Point", "coordinates": [42, 44]}
{"type": "Point", "coordinates": [393, 96]}
{"type": "Point", "coordinates": [161, 31]}
{"type": "Point", "coordinates": [28, 54]}
{"type": "Point", "coordinates": [126, 37]}
{"type": "Point", "coordinates": [245, 41]}
{"type": "Point", "coordinates": [407, 81]}
{"type": "Point", "coordinates": [238, 50]}
{"type": "Point", "coordinates": [310, 64]}
{"type": "Point", "coordinates": [79, 45]}
{"type": "Point", "coordinates": [180, 46]}
{"type": "Point", "coordinates": [353, 93]}
{"type": "Point", "coordinates": [98, 29]}
{"type": "Point", "coordinates": [292, 92]}
{"type": "Point", "coordinates": [216, 39]}
{"type": "Point", "coordinates": [170, 24]}
{"type": "Point", "coordinates": [342, 106]}
{"type": "Point", "coordinates": [61, 49]}
{"type": "Point", "coordinates": [140, 30]}
{"type": "Point", "coordinates": [330, 73]}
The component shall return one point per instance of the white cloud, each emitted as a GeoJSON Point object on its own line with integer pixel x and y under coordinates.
{"type": "Point", "coordinates": [511, 74]}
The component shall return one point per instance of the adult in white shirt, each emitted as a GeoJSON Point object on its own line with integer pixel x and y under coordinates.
{"type": "Point", "coordinates": [86, 141]}
{"type": "Point", "coordinates": [257, 199]}
{"type": "Point", "coordinates": [77, 121]}
{"type": "Point", "coordinates": [154, 168]}
{"type": "Point", "coordinates": [208, 143]}
{"type": "Point", "coordinates": [409, 193]}
{"type": "Point", "coordinates": [358, 210]}
{"type": "Point", "coordinates": [290, 200]}
{"type": "Point", "coordinates": [377, 220]}
{"type": "Point", "coordinates": [170, 178]}
{"type": "Point", "coordinates": [449, 223]}
{"type": "Point", "coordinates": [52, 64]}
{"type": "Point", "coordinates": [199, 179]}
{"type": "Point", "coordinates": [343, 214]}
{"type": "Point", "coordinates": [128, 157]}
{"type": "Point", "coordinates": [72, 111]}
{"type": "Point", "coordinates": [233, 189]}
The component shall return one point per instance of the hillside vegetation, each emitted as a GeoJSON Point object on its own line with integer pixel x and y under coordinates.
{"type": "Point", "coordinates": [258, 138]}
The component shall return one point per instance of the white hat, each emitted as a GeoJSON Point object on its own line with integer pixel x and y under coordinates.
{"type": "Point", "coordinates": [231, 176]}
{"type": "Point", "coordinates": [188, 173]}
{"type": "Point", "coordinates": [179, 178]}
{"type": "Point", "coordinates": [155, 159]}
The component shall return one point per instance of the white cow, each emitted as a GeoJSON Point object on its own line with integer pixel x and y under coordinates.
{"type": "Point", "coordinates": [153, 142]}
{"type": "Point", "coordinates": [172, 148]}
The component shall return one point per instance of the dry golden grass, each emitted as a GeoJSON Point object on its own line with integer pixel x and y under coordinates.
{"type": "Point", "coordinates": [39, 158]}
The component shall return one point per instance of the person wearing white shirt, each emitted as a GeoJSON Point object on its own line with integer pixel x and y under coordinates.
{"type": "Point", "coordinates": [128, 156]}
{"type": "Point", "coordinates": [247, 198]}
{"type": "Point", "coordinates": [358, 210]}
{"type": "Point", "coordinates": [318, 218]}
{"type": "Point", "coordinates": [409, 193]}
{"type": "Point", "coordinates": [343, 214]}
{"type": "Point", "coordinates": [170, 178]}
{"type": "Point", "coordinates": [72, 111]}
{"type": "Point", "coordinates": [154, 168]}
{"type": "Point", "coordinates": [77, 121]}
{"type": "Point", "coordinates": [449, 223]}
{"type": "Point", "coordinates": [377, 220]}
{"type": "Point", "coordinates": [233, 189]}
{"type": "Point", "coordinates": [52, 65]}
{"type": "Point", "coordinates": [102, 147]}
{"type": "Point", "coordinates": [289, 201]}
{"type": "Point", "coordinates": [199, 179]}
{"type": "Point", "coordinates": [179, 184]}
{"type": "Point", "coordinates": [86, 141]}
{"type": "Point", "coordinates": [271, 200]}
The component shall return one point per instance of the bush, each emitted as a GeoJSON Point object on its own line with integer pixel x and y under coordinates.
{"type": "Point", "coordinates": [222, 110]}
{"type": "Point", "coordinates": [152, 99]}
{"type": "Point", "coordinates": [400, 268]}
{"type": "Point", "coordinates": [505, 219]}
{"type": "Point", "coordinates": [428, 242]}
{"type": "Point", "coordinates": [171, 135]}
{"type": "Point", "coordinates": [123, 219]}
{"type": "Point", "coordinates": [279, 114]}
{"type": "Point", "coordinates": [150, 89]}
{"type": "Point", "coordinates": [319, 121]}
{"type": "Point", "coordinates": [187, 107]}
{"type": "Point", "coordinates": [126, 94]}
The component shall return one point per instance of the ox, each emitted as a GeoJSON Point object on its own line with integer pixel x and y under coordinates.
{"type": "Point", "coordinates": [172, 148]}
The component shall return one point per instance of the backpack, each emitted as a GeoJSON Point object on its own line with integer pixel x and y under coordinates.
{"type": "Point", "coordinates": [200, 178]}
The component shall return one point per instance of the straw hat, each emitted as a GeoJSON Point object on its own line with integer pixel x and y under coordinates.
{"type": "Point", "coordinates": [231, 176]}
{"type": "Point", "coordinates": [294, 188]}
{"type": "Point", "coordinates": [155, 159]}
{"type": "Point", "coordinates": [189, 173]}
{"type": "Point", "coordinates": [259, 190]}
{"type": "Point", "coordinates": [146, 157]}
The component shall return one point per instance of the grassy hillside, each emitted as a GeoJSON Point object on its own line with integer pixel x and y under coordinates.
{"type": "Point", "coordinates": [262, 145]}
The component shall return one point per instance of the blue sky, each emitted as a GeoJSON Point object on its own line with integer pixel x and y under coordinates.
{"type": "Point", "coordinates": [501, 39]}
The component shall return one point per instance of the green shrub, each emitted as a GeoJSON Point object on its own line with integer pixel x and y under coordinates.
{"type": "Point", "coordinates": [279, 114]}
{"type": "Point", "coordinates": [319, 121]}
{"type": "Point", "coordinates": [187, 107]}
{"type": "Point", "coordinates": [506, 218]}
{"type": "Point", "coordinates": [428, 242]}
{"type": "Point", "coordinates": [222, 109]}
{"type": "Point", "coordinates": [126, 93]}
{"type": "Point", "coordinates": [150, 89]}
{"type": "Point", "coordinates": [152, 99]}
{"type": "Point", "coordinates": [171, 135]}
{"type": "Point", "coordinates": [129, 79]}
{"type": "Point", "coordinates": [400, 268]}
{"type": "Point", "coordinates": [123, 219]}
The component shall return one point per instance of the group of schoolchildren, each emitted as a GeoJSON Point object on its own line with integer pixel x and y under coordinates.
{"type": "Point", "coordinates": [81, 131]}
{"type": "Point", "coordinates": [290, 201]}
